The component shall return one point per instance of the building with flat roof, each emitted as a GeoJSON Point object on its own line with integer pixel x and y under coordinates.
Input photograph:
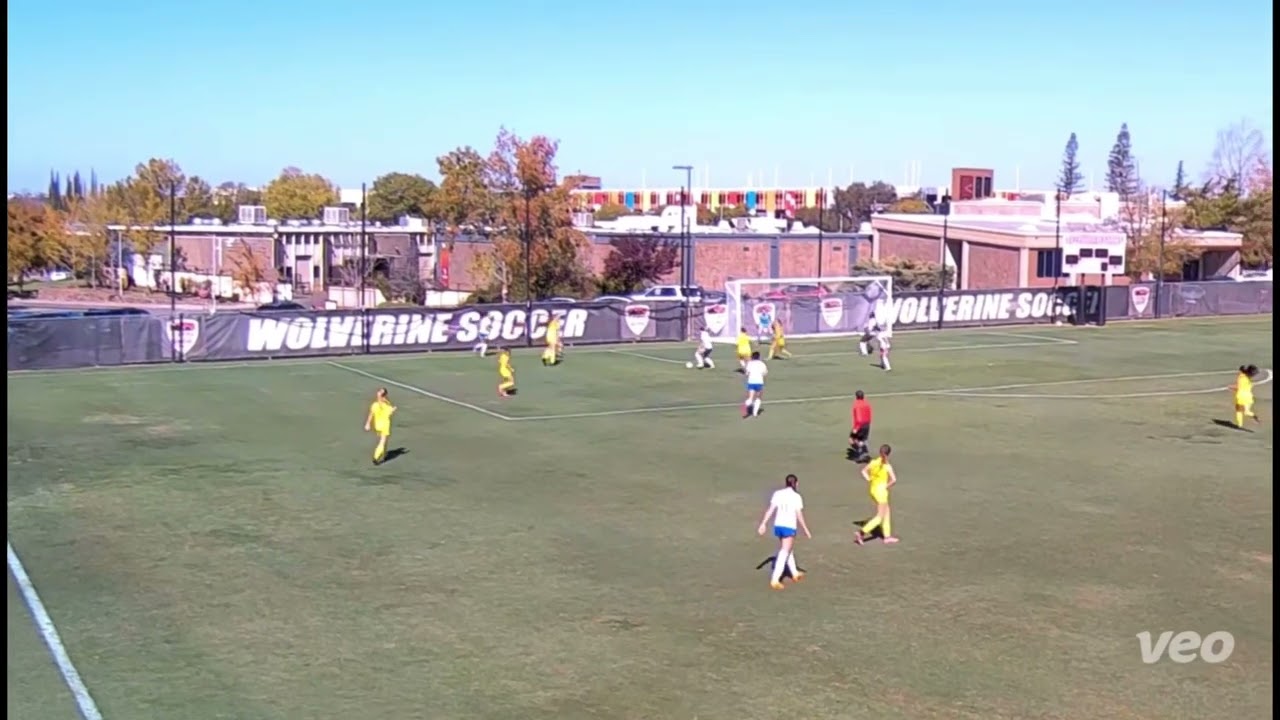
{"type": "Point", "coordinates": [311, 255]}
{"type": "Point", "coordinates": [1003, 244]}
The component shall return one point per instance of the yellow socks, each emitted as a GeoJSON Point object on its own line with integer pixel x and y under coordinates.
{"type": "Point", "coordinates": [1239, 419]}
{"type": "Point", "coordinates": [380, 451]}
{"type": "Point", "coordinates": [871, 525]}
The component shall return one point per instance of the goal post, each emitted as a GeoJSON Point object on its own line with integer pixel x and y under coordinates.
{"type": "Point", "coordinates": [806, 307]}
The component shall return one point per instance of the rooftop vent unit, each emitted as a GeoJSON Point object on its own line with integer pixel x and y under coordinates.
{"type": "Point", "coordinates": [337, 215]}
{"type": "Point", "coordinates": [252, 215]}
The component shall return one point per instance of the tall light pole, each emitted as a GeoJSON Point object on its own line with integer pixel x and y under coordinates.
{"type": "Point", "coordinates": [528, 260]}
{"type": "Point", "coordinates": [173, 248]}
{"type": "Point", "coordinates": [944, 207]}
{"type": "Point", "coordinates": [686, 241]}
{"type": "Point", "coordinates": [1057, 240]}
{"type": "Point", "coordinates": [822, 206]}
{"type": "Point", "coordinates": [1164, 229]}
{"type": "Point", "coordinates": [364, 245]}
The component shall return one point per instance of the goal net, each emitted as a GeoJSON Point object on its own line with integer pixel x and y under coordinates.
{"type": "Point", "coordinates": [806, 307]}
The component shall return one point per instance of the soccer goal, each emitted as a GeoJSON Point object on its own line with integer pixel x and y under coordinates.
{"type": "Point", "coordinates": [806, 307]}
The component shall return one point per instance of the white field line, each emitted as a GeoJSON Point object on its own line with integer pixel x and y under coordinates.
{"type": "Point", "coordinates": [1039, 341]}
{"type": "Point", "coordinates": [456, 354]}
{"type": "Point", "coordinates": [1105, 396]}
{"type": "Point", "coordinates": [424, 393]}
{"type": "Point", "coordinates": [945, 392]}
{"type": "Point", "coordinates": [49, 633]}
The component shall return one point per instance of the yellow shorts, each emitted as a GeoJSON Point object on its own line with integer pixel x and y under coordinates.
{"type": "Point", "coordinates": [507, 377]}
{"type": "Point", "coordinates": [1244, 401]}
{"type": "Point", "coordinates": [744, 355]}
{"type": "Point", "coordinates": [779, 344]}
{"type": "Point", "coordinates": [382, 430]}
{"type": "Point", "coordinates": [880, 495]}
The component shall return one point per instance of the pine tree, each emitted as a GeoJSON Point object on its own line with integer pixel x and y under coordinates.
{"type": "Point", "coordinates": [77, 187]}
{"type": "Point", "coordinates": [68, 192]}
{"type": "Point", "coordinates": [1179, 183]}
{"type": "Point", "coordinates": [1071, 179]}
{"type": "Point", "coordinates": [93, 182]}
{"type": "Point", "coordinates": [55, 191]}
{"type": "Point", "coordinates": [1122, 168]}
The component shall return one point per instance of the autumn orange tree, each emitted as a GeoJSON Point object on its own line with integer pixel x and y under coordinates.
{"type": "Point", "coordinates": [515, 197]}
{"type": "Point", "coordinates": [36, 234]}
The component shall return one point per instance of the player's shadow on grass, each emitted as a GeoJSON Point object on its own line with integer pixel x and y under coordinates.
{"type": "Point", "coordinates": [393, 454]}
{"type": "Point", "coordinates": [1230, 425]}
{"type": "Point", "coordinates": [786, 572]}
{"type": "Point", "coordinates": [877, 534]}
{"type": "Point", "coordinates": [854, 456]}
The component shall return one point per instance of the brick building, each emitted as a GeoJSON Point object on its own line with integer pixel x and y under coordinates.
{"type": "Point", "coordinates": [1002, 244]}
{"type": "Point", "coordinates": [716, 257]}
{"type": "Point", "coordinates": [310, 255]}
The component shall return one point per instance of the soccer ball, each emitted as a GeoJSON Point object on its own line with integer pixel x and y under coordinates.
{"type": "Point", "coordinates": [689, 365]}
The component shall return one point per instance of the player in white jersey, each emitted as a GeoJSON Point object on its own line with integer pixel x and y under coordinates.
{"type": "Point", "coordinates": [702, 356]}
{"type": "Point", "coordinates": [786, 508]}
{"type": "Point", "coordinates": [881, 331]}
{"type": "Point", "coordinates": [756, 371]}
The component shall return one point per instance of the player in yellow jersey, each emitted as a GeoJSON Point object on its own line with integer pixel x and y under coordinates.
{"type": "Point", "coordinates": [551, 355]}
{"type": "Point", "coordinates": [506, 374]}
{"type": "Point", "coordinates": [778, 348]}
{"type": "Point", "coordinates": [880, 477]}
{"type": "Point", "coordinates": [744, 349]}
{"type": "Point", "coordinates": [379, 421]}
{"type": "Point", "coordinates": [1244, 395]}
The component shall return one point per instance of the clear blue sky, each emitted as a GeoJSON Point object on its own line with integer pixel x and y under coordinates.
{"type": "Point", "coordinates": [237, 90]}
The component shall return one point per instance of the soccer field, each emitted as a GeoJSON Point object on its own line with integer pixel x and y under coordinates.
{"type": "Point", "coordinates": [213, 542]}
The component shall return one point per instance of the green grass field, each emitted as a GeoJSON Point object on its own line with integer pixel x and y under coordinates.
{"type": "Point", "coordinates": [213, 542]}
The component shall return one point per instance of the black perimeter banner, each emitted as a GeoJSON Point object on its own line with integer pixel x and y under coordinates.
{"type": "Point", "coordinates": [37, 343]}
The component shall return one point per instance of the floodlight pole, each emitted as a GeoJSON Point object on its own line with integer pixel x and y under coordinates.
{"type": "Point", "coordinates": [364, 241]}
{"type": "Point", "coordinates": [1057, 240]}
{"type": "Point", "coordinates": [944, 207]}
{"type": "Point", "coordinates": [173, 248]}
{"type": "Point", "coordinates": [822, 205]}
{"type": "Point", "coordinates": [1164, 229]}
{"type": "Point", "coordinates": [686, 242]}
{"type": "Point", "coordinates": [528, 260]}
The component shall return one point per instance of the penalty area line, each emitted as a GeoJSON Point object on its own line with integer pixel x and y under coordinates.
{"type": "Point", "coordinates": [49, 633]}
{"type": "Point", "coordinates": [936, 392]}
{"type": "Point", "coordinates": [1106, 396]}
{"type": "Point", "coordinates": [422, 392]}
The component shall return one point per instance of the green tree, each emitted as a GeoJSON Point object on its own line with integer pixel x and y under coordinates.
{"type": "Point", "coordinates": [464, 198]}
{"type": "Point", "coordinates": [138, 206]}
{"type": "Point", "coordinates": [610, 211]}
{"type": "Point", "coordinates": [909, 274]}
{"type": "Point", "coordinates": [1179, 183]}
{"type": "Point", "coordinates": [635, 262]}
{"type": "Point", "coordinates": [197, 200]}
{"type": "Point", "coordinates": [1122, 167]}
{"type": "Point", "coordinates": [396, 195]}
{"type": "Point", "coordinates": [1070, 179]}
{"type": "Point", "coordinates": [1221, 206]}
{"type": "Point", "coordinates": [54, 194]}
{"type": "Point", "coordinates": [296, 195]}
{"type": "Point", "coordinates": [228, 198]}
{"type": "Point", "coordinates": [856, 203]}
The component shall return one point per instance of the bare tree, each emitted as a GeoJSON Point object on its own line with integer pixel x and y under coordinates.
{"type": "Point", "coordinates": [1240, 151]}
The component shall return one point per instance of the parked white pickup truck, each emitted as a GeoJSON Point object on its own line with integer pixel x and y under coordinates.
{"type": "Point", "coordinates": [677, 293]}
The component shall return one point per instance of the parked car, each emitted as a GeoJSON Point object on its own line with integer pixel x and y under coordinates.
{"type": "Point", "coordinates": [112, 312]}
{"type": "Point", "coordinates": [282, 306]}
{"type": "Point", "coordinates": [671, 293]}
{"type": "Point", "coordinates": [797, 291]}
